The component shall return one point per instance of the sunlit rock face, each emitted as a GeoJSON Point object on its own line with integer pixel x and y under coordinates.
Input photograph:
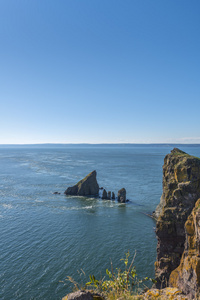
{"type": "Point", "coordinates": [88, 186]}
{"type": "Point", "coordinates": [187, 276]}
{"type": "Point", "coordinates": [181, 190]}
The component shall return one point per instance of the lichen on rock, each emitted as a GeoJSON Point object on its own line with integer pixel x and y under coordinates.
{"type": "Point", "coordinates": [187, 275]}
{"type": "Point", "coordinates": [181, 189]}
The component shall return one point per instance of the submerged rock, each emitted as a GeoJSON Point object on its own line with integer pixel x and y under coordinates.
{"type": "Point", "coordinates": [88, 186]}
{"type": "Point", "coordinates": [181, 189]}
{"type": "Point", "coordinates": [121, 196]}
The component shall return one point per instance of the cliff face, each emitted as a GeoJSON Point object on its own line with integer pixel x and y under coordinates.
{"type": "Point", "coordinates": [187, 276]}
{"type": "Point", "coordinates": [88, 186]}
{"type": "Point", "coordinates": [181, 189]}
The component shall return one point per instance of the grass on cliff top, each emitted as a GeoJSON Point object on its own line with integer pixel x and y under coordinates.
{"type": "Point", "coordinates": [178, 152]}
{"type": "Point", "coordinates": [118, 283]}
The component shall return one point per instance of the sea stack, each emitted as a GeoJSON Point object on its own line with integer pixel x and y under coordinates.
{"type": "Point", "coordinates": [104, 195]}
{"type": "Point", "coordinates": [121, 196]}
{"type": "Point", "coordinates": [109, 195]}
{"type": "Point", "coordinates": [88, 186]}
{"type": "Point", "coordinates": [181, 190]}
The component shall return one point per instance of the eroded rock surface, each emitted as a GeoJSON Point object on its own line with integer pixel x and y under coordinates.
{"type": "Point", "coordinates": [104, 195]}
{"type": "Point", "coordinates": [187, 276]}
{"type": "Point", "coordinates": [121, 196]}
{"type": "Point", "coordinates": [88, 186]}
{"type": "Point", "coordinates": [181, 189]}
{"type": "Point", "coordinates": [164, 294]}
{"type": "Point", "coordinates": [83, 295]}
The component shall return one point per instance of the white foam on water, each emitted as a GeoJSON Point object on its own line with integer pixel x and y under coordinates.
{"type": "Point", "coordinates": [9, 206]}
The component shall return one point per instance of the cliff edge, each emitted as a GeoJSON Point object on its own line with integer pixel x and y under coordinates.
{"type": "Point", "coordinates": [181, 190]}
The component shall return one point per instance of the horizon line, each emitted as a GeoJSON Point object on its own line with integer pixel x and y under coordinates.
{"type": "Point", "coordinates": [153, 143]}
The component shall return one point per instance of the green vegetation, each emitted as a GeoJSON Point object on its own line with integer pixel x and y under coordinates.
{"type": "Point", "coordinates": [178, 152]}
{"type": "Point", "coordinates": [118, 283]}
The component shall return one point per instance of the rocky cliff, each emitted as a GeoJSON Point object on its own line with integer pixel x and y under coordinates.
{"type": "Point", "coordinates": [187, 276]}
{"type": "Point", "coordinates": [181, 190]}
{"type": "Point", "coordinates": [88, 186]}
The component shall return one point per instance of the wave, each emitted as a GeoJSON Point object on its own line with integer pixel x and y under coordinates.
{"type": "Point", "coordinates": [9, 206]}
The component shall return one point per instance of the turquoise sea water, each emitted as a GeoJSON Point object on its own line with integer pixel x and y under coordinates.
{"type": "Point", "coordinates": [47, 237]}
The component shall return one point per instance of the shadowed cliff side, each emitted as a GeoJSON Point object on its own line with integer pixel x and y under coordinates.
{"type": "Point", "coordinates": [181, 189]}
{"type": "Point", "coordinates": [88, 186]}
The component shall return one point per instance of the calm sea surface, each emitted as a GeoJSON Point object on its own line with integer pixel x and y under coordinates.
{"type": "Point", "coordinates": [45, 237]}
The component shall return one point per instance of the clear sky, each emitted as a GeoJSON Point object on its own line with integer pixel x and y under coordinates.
{"type": "Point", "coordinates": [99, 71]}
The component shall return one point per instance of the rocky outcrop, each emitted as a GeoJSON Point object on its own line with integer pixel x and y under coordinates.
{"type": "Point", "coordinates": [152, 294]}
{"type": "Point", "coordinates": [181, 189]}
{"type": "Point", "coordinates": [109, 195]}
{"type": "Point", "coordinates": [163, 294]}
{"type": "Point", "coordinates": [104, 194]}
{"type": "Point", "coordinates": [113, 196]}
{"type": "Point", "coordinates": [187, 276]}
{"type": "Point", "coordinates": [88, 186]}
{"type": "Point", "coordinates": [121, 196]}
{"type": "Point", "coordinates": [83, 295]}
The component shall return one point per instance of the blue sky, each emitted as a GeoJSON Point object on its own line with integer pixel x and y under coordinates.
{"type": "Point", "coordinates": [100, 71]}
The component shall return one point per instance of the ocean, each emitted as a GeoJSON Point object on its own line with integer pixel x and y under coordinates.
{"type": "Point", "coordinates": [46, 237]}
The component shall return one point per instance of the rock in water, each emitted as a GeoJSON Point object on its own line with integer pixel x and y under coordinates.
{"type": "Point", "coordinates": [109, 195]}
{"type": "Point", "coordinates": [121, 196]}
{"type": "Point", "coordinates": [187, 276]}
{"type": "Point", "coordinates": [181, 190]}
{"type": "Point", "coordinates": [88, 186]}
{"type": "Point", "coordinates": [104, 194]}
{"type": "Point", "coordinates": [113, 196]}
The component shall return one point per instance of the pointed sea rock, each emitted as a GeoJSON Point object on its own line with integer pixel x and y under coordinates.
{"type": "Point", "coordinates": [88, 186]}
{"type": "Point", "coordinates": [104, 195]}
